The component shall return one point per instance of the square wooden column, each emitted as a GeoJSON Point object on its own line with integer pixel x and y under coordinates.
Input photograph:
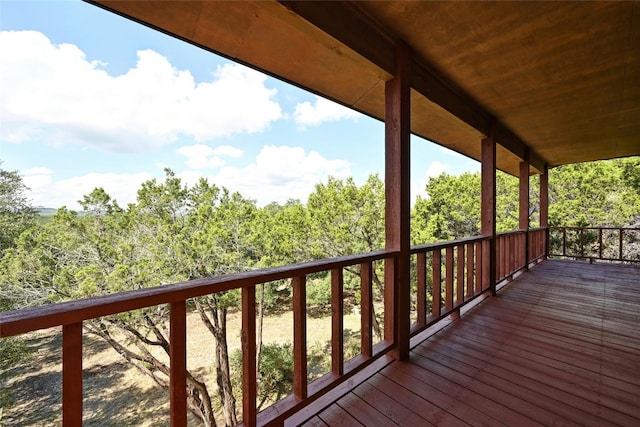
{"type": "Point", "coordinates": [397, 203]}
{"type": "Point", "coordinates": [544, 208]}
{"type": "Point", "coordinates": [524, 196]}
{"type": "Point", "coordinates": [523, 210]}
{"type": "Point", "coordinates": [488, 203]}
{"type": "Point", "coordinates": [544, 198]}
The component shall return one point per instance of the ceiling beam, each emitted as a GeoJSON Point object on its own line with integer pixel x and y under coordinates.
{"type": "Point", "coordinates": [346, 22]}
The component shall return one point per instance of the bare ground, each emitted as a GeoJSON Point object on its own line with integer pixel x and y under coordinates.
{"type": "Point", "coordinates": [117, 394]}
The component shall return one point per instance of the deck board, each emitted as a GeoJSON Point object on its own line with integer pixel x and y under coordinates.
{"type": "Point", "coordinates": [560, 345]}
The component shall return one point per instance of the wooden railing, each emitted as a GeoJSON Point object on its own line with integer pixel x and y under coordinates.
{"type": "Point", "coordinates": [612, 244]}
{"type": "Point", "coordinates": [451, 274]}
{"type": "Point", "coordinates": [447, 276]}
{"type": "Point", "coordinates": [71, 315]}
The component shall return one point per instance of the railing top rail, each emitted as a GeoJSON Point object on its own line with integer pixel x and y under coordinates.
{"type": "Point", "coordinates": [560, 227]}
{"type": "Point", "coordinates": [512, 232]}
{"type": "Point", "coordinates": [32, 319]}
{"type": "Point", "coordinates": [442, 245]}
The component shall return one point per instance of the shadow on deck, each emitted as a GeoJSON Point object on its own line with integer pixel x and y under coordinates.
{"type": "Point", "coordinates": [560, 345]}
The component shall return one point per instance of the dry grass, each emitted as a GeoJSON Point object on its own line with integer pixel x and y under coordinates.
{"type": "Point", "coordinates": [118, 394]}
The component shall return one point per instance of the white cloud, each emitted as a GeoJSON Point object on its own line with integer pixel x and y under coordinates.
{"type": "Point", "coordinates": [201, 156]}
{"type": "Point", "coordinates": [49, 193]}
{"type": "Point", "coordinates": [323, 110]}
{"type": "Point", "coordinates": [54, 94]}
{"type": "Point", "coordinates": [435, 168]}
{"type": "Point", "coordinates": [279, 173]}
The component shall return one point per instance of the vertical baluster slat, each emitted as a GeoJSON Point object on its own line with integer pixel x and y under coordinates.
{"type": "Point", "coordinates": [460, 275]}
{"type": "Point", "coordinates": [600, 243]}
{"type": "Point", "coordinates": [448, 280]}
{"type": "Point", "coordinates": [421, 303]}
{"type": "Point", "coordinates": [72, 375]}
{"type": "Point", "coordinates": [620, 245]}
{"type": "Point", "coordinates": [486, 268]}
{"type": "Point", "coordinates": [479, 266]}
{"type": "Point", "coordinates": [470, 271]}
{"type": "Point", "coordinates": [300, 337]}
{"type": "Point", "coordinates": [366, 310]}
{"type": "Point", "coordinates": [435, 287]}
{"type": "Point", "coordinates": [178, 363]}
{"type": "Point", "coordinates": [337, 328]}
{"type": "Point", "coordinates": [249, 363]}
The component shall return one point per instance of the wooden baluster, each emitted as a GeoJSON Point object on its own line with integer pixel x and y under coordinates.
{"type": "Point", "coordinates": [337, 328]}
{"type": "Point", "coordinates": [448, 279]}
{"type": "Point", "coordinates": [300, 337]}
{"type": "Point", "coordinates": [178, 363]}
{"type": "Point", "coordinates": [249, 363]}
{"type": "Point", "coordinates": [500, 258]}
{"type": "Point", "coordinates": [435, 288]}
{"type": "Point", "coordinates": [487, 271]}
{"type": "Point", "coordinates": [600, 242]}
{"type": "Point", "coordinates": [460, 275]}
{"type": "Point", "coordinates": [72, 375]}
{"type": "Point", "coordinates": [564, 241]}
{"type": "Point", "coordinates": [479, 266]}
{"type": "Point", "coordinates": [421, 303]}
{"type": "Point", "coordinates": [366, 310]}
{"type": "Point", "coordinates": [620, 245]}
{"type": "Point", "coordinates": [470, 270]}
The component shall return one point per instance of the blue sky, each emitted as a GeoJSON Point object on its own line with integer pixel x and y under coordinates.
{"type": "Point", "coordinates": [89, 99]}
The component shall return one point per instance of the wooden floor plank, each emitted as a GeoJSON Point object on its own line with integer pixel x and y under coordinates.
{"type": "Point", "coordinates": [415, 403]}
{"type": "Point", "coordinates": [530, 391]}
{"type": "Point", "coordinates": [315, 422]}
{"type": "Point", "coordinates": [334, 415]}
{"type": "Point", "coordinates": [560, 345]}
{"type": "Point", "coordinates": [397, 413]}
{"type": "Point", "coordinates": [438, 398]}
{"type": "Point", "coordinates": [363, 412]}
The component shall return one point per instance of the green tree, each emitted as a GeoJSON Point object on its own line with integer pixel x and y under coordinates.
{"type": "Point", "coordinates": [16, 216]}
{"type": "Point", "coordinates": [172, 234]}
{"type": "Point", "coordinates": [348, 219]}
{"type": "Point", "coordinates": [16, 212]}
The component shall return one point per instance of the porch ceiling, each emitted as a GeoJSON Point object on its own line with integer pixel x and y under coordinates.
{"type": "Point", "coordinates": [561, 79]}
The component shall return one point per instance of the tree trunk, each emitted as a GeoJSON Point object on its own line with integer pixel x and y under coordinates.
{"type": "Point", "coordinates": [223, 374]}
{"type": "Point", "coordinates": [199, 401]}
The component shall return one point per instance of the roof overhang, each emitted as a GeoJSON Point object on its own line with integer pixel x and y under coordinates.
{"type": "Point", "coordinates": [557, 82]}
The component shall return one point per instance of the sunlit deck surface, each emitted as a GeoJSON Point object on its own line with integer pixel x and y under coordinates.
{"type": "Point", "coordinates": [559, 345]}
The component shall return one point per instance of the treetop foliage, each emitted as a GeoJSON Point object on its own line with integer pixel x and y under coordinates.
{"type": "Point", "coordinates": [175, 232]}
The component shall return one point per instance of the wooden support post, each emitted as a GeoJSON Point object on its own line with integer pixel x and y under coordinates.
{"type": "Point", "coordinates": [544, 208]}
{"type": "Point", "coordinates": [398, 203]}
{"type": "Point", "coordinates": [72, 375]}
{"type": "Point", "coordinates": [488, 204]}
{"type": "Point", "coordinates": [178, 364]}
{"type": "Point", "coordinates": [523, 210]}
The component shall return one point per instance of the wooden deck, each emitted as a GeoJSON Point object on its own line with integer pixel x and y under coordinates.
{"type": "Point", "coordinates": [560, 345]}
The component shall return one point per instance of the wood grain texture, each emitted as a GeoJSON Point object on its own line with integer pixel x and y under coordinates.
{"type": "Point", "coordinates": [558, 346]}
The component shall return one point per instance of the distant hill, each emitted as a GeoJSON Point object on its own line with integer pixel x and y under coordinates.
{"type": "Point", "coordinates": [46, 211]}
